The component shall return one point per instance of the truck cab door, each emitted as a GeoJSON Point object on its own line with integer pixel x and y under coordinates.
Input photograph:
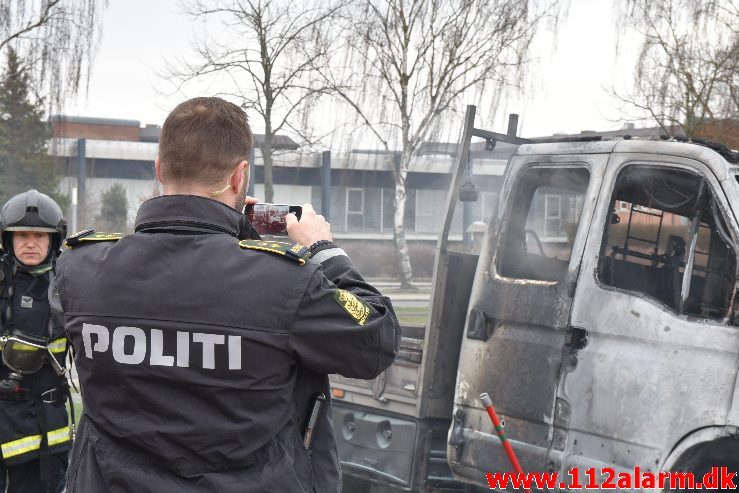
{"type": "Point", "coordinates": [518, 323]}
{"type": "Point", "coordinates": [655, 300]}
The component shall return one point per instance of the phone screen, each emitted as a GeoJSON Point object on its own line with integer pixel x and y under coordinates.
{"type": "Point", "coordinates": [269, 219]}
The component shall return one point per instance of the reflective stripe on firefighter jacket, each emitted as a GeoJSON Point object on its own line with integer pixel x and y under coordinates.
{"type": "Point", "coordinates": [25, 299]}
{"type": "Point", "coordinates": [58, 346]}
{"type": "Point", "coordinates": [32, 443]}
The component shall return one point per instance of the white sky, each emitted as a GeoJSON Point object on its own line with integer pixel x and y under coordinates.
{"type": "Point", "coordinates": [570, 93]}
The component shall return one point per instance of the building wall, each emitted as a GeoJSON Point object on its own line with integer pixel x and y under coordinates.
{"type": "Point", "coordinates": [286, 194]}
{"type": "Point", "coordinates": [137, 192]}
{"type": "Point", "coordinates": [75, 130]}
{"type": "Point", "coordinates": [356, 212]}
{"type": "Point", "coordinates": [724, 132]}
{"type": "Point", "coordinates": [368, 212]}
{"type": "Point", "coordinates": [362, 186]}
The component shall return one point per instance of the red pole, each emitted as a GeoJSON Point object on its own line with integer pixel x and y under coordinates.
{"type": "Point", "coordinates": [487, 403]}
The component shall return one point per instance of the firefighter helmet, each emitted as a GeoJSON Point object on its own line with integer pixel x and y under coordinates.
{"type": "Point", "coordinates": [32, 211]}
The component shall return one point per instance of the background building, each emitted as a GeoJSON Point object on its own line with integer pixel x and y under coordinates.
{"type": "Point", "coordinates": [96, 153]}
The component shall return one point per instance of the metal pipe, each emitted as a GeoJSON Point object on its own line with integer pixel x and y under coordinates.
{"type": "Point", "coordinates": [467, 208]}
{"type": "Point", "coordinates": [326, 185]}
{"type": "Point", "coordinates": [73, 219]}
{"type": "Point", "coordinates": [487, 403]}
{"type": "Point", "coordinates": [693, 235]}
{"type": "Point", "coordinates": [81, 211]}
{"type": "Point", "coordinates": [252, 170]}
{"type": "Point", "coordinates": [456, 180]}
{"type": "Point", "coordinates": [512, 124]}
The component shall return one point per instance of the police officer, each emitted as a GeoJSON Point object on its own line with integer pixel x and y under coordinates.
{"type": "Point", "coordinates": [34, 435]}
{"type": "Point", "coordinates": [201, 350]}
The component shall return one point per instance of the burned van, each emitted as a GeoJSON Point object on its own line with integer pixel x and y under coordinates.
{"type": "Point", "coordinates": [600, 316]}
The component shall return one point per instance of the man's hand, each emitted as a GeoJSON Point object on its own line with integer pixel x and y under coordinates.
{"type": "Point", "coordinates": [311, 228]}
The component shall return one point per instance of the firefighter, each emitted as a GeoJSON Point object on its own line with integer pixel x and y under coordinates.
{"type": "Point", "coordinates": [35, 435]}
{"type": "Point", "coordinates": [201, 350]}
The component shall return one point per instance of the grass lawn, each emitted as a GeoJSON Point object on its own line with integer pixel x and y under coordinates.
{"type": "Point", "coordinates": [411, 315]}
{"type": "Point", "coordinates": [77, 406]}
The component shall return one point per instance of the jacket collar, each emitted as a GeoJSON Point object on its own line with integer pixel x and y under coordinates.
{"type": "Point", "coordinates": [192, 213]}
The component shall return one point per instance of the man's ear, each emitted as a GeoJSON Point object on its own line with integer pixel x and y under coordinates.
{"type": "Point", "coordinates": [158, 169]}
{"type": "Point", "coordinates": [238, 179]}
{"type": "Point", "coordinates": [245, 174]}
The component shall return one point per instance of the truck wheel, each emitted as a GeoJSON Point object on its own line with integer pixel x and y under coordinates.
{"type": "Point", "coordinates": [471, 488]}
{"type": "Point", "coordinates": [722, 453]}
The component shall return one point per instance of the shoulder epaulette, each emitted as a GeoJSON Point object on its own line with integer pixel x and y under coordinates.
{"type": "Point", "coordinates": [89, 235]}
{"type": "Point", "coordinates": [293, 251]}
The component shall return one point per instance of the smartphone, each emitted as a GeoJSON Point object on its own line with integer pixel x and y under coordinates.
{"type": "Point", "coordinates": [269, 219]}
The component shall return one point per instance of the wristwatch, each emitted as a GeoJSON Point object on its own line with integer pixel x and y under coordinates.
{"type": "Point", "coordinates": [320, 245]}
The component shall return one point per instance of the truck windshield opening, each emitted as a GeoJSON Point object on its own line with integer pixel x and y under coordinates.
{"type": "Point", "coordinates": [664, 222]}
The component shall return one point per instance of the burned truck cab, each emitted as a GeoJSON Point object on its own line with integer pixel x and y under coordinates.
{"type": "Point", "coordinates": [602, 318]}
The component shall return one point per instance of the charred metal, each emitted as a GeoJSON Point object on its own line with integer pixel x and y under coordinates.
{"type": "Point", "coordinates": [600, 316]}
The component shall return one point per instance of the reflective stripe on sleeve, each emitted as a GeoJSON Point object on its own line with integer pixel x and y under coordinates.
{"type": "Point", "coordinates": [58, 345]}
{"type": "Point", "coordinates": [324, 255]}
{"type": "Point", "coordinates": [33, 442]}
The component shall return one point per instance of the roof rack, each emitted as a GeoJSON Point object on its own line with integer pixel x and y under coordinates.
{"type": "Point", "coordinates": [556, 140]}
{"type": "Point", "coordinates": [729, 154]}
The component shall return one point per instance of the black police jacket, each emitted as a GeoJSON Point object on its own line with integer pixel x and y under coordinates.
{"type": "Point", "coordinates": [189, 345]}
{"type": "Point", "coordinates": [24, 415]}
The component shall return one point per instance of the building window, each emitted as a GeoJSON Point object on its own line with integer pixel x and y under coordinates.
{"type": "Point", "coordinates": [388, 210]}
{"type": "Point", "coordinates": [552, 217]}
{"type": "Point", "coordinates": [430, 210]}
{"type": "Point", "coordinates": [354, 209]}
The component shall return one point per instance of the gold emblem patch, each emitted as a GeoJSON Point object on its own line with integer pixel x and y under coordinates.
{"type": "Point", "coordinates": [90, 236]}
{"type": "Point", "coordinates": [356, 308]}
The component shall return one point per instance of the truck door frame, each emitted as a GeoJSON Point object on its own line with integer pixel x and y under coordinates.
{"type": "Point", "coordinates": [473, 446]}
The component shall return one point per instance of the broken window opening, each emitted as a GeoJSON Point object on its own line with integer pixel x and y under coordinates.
{"type": "Point", "coordinates": [664, 222]}
{"type": "Point", "coordinates": [543, 219]}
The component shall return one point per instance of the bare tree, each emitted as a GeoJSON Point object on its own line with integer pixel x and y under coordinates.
{"type": "Point", "coordinates": [412, 60]}
{"type": "Point", "coordinates": [56, 40]}
{"type": "Point", "coordinates": [265, 54]}
{"type": "Point", "coordinates": [687, 72]}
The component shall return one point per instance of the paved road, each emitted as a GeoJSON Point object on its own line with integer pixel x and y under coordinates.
{"type": "Point", "coordinates": [422, 305]}
{"type": "Point", "coordinates": [418, 297]}
{"type": "Point", "coordinates": [424, 285]}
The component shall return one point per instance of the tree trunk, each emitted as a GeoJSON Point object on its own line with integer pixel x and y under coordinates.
{"type": "Point", "coordinates": [269, 189]}
{"type": "Point", "coordinates": [401, 247]}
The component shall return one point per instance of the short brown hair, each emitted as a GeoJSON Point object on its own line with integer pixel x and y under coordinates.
{"type": "Point", "coordinates": [202, 140]}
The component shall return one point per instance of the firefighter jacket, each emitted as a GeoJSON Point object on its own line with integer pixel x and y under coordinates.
{"type": "Point", "coordinates": [189, 346]}
{"type": "Point", "coordinates": [37, 407]}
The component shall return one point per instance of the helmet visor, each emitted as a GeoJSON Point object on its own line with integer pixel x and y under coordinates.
{"type": "Point", "coordinates": [14, 210]}
{"type": "Point", "coordinates": [23, 356]}
{"type": "Point", "coordinates": [31, 228]}
{"type": "Point", "coordinates": [32, 210]}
